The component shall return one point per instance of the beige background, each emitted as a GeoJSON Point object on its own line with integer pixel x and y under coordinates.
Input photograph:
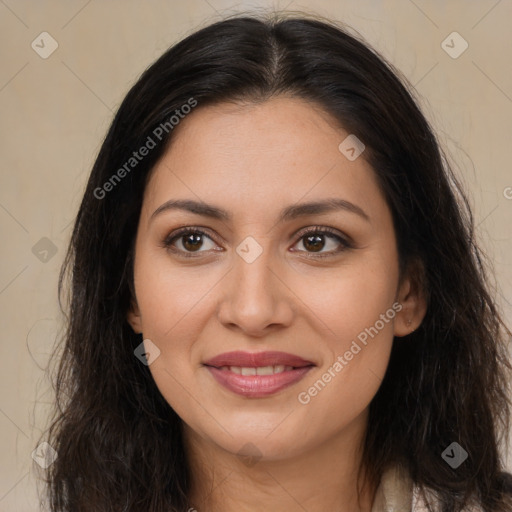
{"type": "Point", "coordinates": [55, 112]}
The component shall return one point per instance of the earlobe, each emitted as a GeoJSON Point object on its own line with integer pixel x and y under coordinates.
{"type": "Point", "coordinates": [411, 296]}
{"type": "Point", "coordinates": [134, 318]}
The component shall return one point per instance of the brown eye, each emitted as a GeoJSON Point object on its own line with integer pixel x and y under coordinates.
{"type": "Point", "coordinates": [192, 241]}
{"type": "Point", "coordinates": [318, 239]}
{"type": "Point", "coordinates": [188, 241]}
{"type": "Point", "coordinates": [314, 243]}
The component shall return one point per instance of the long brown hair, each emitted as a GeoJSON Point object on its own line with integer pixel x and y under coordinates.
{"type": "Point", "coordinates": [119, 443]}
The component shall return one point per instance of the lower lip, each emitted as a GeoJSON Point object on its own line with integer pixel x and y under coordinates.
{"type": "Point", "coordinates": [257, 386]}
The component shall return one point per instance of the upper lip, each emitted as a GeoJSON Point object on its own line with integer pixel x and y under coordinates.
{"type": "Point", "coordinates": [257, 359]}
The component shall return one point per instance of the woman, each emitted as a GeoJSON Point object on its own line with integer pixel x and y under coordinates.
{"type": "Point", "coordinates": [276, 299]}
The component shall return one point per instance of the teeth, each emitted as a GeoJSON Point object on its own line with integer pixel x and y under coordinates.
{"type": "Point", "coordinates": [260, 370]}
{"type": "Point", "coordinates": [265, 370]}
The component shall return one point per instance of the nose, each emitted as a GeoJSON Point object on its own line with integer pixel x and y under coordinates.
{"type": "Point", "coordinates": [255, 298]}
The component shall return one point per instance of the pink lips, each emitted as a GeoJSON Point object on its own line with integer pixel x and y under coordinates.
{"type": "Point", "coordinates": [275, 371]}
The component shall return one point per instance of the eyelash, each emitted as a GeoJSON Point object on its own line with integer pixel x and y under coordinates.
{"type": "Point", "coordinates": [315, 230]}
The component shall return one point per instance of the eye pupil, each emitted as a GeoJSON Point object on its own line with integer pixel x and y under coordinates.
{"type": "Point", "coordinates": [314, 243]}
{"type": "Point", "coordinates": [192, 241]}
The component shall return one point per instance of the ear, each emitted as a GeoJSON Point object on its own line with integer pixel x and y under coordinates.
{"type": "Point", "coordinates": [134, 318]}
{"type": "Point", "coordinates": [412, 296]}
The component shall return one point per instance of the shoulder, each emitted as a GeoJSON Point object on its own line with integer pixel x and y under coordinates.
{"type": "Point", "coordinates": [397, 493]}
{"type": "Point", "coordinates": [418, 502]}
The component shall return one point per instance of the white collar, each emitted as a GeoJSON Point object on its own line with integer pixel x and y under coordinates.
{"type": "Point", "coordinates": [397, 493]}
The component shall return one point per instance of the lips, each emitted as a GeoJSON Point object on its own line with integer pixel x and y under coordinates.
{"type": "Point", "coordinates": [257, 375]}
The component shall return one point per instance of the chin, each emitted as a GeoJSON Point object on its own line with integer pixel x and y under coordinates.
{"type": "Point", "coordinates": [258, 443]}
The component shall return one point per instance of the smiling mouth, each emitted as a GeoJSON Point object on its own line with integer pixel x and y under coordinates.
{"type": "Point", "coordinates": [257, 375]}
{"type": "Point", "coordinates": [259, 370]}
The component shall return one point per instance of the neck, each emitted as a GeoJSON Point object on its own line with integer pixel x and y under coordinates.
{"type": "Point", "coordinates": [321, 478]}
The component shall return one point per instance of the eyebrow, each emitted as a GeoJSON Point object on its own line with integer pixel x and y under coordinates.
{"type": "Point", "coordinates": [286, 214]}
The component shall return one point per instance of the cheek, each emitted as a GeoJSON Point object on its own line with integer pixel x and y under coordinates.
{"type": "Point", "coordinates": [175, 303]}
{"type": "Point", "coordinates": [171, 299]}
{"type": "Point", "coordinates": [355, 314]}
{"type": "Point", "coordinates": [350, 377]}
{"type": "Point", "coordinates": [345, 301]}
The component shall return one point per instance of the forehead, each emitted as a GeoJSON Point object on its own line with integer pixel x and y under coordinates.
{"type": "Point", "coordinates": [261, 156]}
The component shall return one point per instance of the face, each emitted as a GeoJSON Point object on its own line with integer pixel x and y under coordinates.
{"type": "Point", "coordinates": [266, 273]}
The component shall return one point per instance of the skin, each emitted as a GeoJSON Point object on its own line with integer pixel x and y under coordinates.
{"type": "Point", "coordinates": [252, 160]}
